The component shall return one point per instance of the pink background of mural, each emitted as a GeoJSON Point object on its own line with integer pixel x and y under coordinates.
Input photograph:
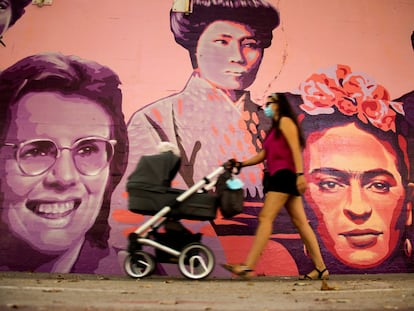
{"type": "Point", "coordinates": [133, 38]}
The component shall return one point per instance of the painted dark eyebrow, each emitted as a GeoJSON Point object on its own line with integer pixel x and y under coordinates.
{"type": "Point", "coordinates": [224, 35]}
{"type": "Point", "coordinates": [376, 172]}
{"type": "Point", "coordinates": [326, 170]}
{"type": "Point", "coordinates": [346, 174]}
{"type": "Point", "coordinates": [331, 171]}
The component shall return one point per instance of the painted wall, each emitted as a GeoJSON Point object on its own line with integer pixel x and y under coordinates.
{"type": "Point", "coordinates": [321, 53]}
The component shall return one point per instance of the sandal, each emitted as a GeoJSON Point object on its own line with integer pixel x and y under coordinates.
{"type": "Point", "coordinates": [239, 270]}
{"type": "Point", "coordinates": [322, 275]}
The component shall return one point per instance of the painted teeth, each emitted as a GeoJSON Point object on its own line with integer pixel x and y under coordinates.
{"type": "Point", "coordinates": [55, 208]}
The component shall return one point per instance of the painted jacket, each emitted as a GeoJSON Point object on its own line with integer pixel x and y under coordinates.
{"type": "Point", "coordinates": [208, 128]}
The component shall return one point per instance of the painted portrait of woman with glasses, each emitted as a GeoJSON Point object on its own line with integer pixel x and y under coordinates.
{"type": "Point", "coordinates": [63, 149]}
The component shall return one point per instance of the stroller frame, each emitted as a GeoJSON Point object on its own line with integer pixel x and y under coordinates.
{"type": "Point", "coordinates": [195, 260]}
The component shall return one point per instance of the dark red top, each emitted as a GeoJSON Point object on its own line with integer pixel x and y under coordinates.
{"type": "Point", "coordinates": [278, 153]}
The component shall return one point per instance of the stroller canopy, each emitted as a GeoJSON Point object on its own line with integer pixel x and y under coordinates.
{"type": "Point", "coordinates": [155, 170]}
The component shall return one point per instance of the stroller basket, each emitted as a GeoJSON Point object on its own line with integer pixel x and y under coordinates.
{"type": "Point", "coordinates": [199, 206]}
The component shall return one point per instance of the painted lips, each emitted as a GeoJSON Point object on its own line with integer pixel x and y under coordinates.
{"type": "Point", "coordinates": [235, 73]}
{"type": "Point", "coordinates": [362, 238]}
{"type": "Point", "coordinates": [53, 210]}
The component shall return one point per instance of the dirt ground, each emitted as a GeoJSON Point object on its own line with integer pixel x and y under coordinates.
{"type": "Point", "coordinates": [37, 291]}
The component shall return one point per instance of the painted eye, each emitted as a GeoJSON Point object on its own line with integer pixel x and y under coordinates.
{"type": "Point", "coordinates": [379, 187]}
{"type": "Point", "coordinates": [221, 42]}
{"type": "Point", "coordinates": [329, 186]}
{"type": "Point", "coordinates": [4, 5]}
{"type": "Point", "coordinates": [38, 149]}
{"type": "Point", "coordinates": [87, 150]}
{"type": "Point", "coordinates": [250, 44]}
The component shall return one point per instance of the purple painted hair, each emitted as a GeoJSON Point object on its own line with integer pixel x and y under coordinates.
{"type": "Point", "coordinates": [259, 15]}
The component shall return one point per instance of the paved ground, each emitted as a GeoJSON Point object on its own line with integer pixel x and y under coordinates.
{"type": "Point", "coordinates": [34, 291]}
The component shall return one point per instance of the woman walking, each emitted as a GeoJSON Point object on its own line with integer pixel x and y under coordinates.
{"type": "Point", "coordinates": [283, 185]}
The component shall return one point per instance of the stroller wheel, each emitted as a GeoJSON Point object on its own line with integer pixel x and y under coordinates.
{"type": "Point", "coordinates": [139, 265]}
{"type": "Point", "coordinates": [196, 261]}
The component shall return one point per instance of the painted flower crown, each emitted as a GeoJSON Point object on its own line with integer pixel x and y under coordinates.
{"type": "Point", "coordinates": [338, 88]}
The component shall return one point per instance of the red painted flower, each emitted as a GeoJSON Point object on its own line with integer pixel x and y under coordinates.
{"type": "Point", "coordinates": [339, 89]}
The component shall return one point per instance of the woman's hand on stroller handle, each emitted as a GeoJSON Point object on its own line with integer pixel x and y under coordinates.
{"type": "Point", "coordinates": [232, 164]}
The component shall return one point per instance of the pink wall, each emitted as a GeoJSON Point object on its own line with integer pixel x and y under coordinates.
{"type": "Point", "coordinates": [371, 36]}
{"type": "Point", "coordinates": [134, 39]}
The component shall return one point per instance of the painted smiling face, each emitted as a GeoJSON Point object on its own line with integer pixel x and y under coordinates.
{"type": "Point", "coordinates": [228, 55]}
{"type": "Point", "coordinates": [356, 191]}
{"type": "Point", "coordinates": [51, 206]}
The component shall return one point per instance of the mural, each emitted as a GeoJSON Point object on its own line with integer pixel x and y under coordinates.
{"type": "Point", "coordinates": [64, 146]}
{"type": "Point", "coordinates": [66, 151]}
{"type": "Point", "coordinates": [213, 118]}
{"type": "Point", "coordinates": [226, 48]}
{"type": "Point", "coordinates": [358, 171]}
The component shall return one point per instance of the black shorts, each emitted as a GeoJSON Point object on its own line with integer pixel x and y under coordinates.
{"type": "Point", "coordinates": [281, 181]}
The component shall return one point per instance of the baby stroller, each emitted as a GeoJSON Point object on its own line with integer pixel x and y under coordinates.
{"type": "Point", "coordinates": [150, 193]}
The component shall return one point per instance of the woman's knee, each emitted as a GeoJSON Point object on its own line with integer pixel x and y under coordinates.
{"type": "Point", "coordinates": [301, 224]}
{"type": "Point", "coordinates": [266, 218]}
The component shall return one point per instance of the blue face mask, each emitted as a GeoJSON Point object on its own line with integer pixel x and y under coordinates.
{"type": "Point", "coordinates": [269, 112]}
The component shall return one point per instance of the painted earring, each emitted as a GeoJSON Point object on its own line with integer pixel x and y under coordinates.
{"type": "Point", "coordinates": [409, 221]}
{"type": "Point", "coordinates": [408, 248]}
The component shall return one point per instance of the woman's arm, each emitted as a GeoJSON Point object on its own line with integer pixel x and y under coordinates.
{"type": "Point", "coordinates": [255, 159]}
{"type": "Point", "coordinates": [290, 131]}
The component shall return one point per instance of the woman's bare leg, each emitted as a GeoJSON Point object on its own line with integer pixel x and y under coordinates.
{"type": "Point", "coordinates": [297, 214]}
{"type": "Point", "coordinates": [274, 201]}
